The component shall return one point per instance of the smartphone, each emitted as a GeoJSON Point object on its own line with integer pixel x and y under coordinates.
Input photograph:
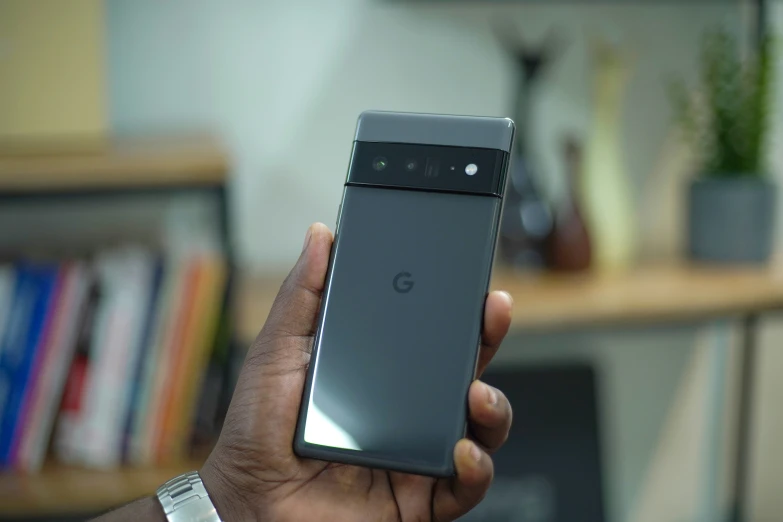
{"type": "Point", "coordinates": [398, 333]}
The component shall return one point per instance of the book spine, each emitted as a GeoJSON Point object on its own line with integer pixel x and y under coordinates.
{"type": "Point", "coordinates": [15, 328]}
{"type": "Point", "coordinates": [156, 364]}
{"type": "Point", "coordinates": [125, 275]}
{"type": "Point", "coordinates": [69, 309]}
{"type": "Point", "coordinates": [183, 370]}
{"type": "Point", "coordinates": [201, 342]}
{"type": "Point", "coordinates": [171, 381]}
{"type": "Point", "coordinates": [42, 350]}
{"type": "Point", "coordinates": [138, 289]}
{"type": "Point", "coordinates": [90, 437]}
{"type": "Point", "coordinates": [70, 417]}
{"type": "Point", "coordinates": [146, 351]}
{"type": "Point", "coordinates": [210, 412]}
{"type": "Point", "coordinates": [20, 354]}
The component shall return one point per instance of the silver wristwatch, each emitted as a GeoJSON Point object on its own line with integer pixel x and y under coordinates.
{"type": "Point", "coordinates": [184, 499]}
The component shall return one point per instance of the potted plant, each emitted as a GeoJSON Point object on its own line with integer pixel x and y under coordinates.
{"type": "Point", "coordinates": [731, 203]}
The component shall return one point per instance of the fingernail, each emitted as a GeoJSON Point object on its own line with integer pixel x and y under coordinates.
{"type": "Point", "coordinates": [508, 297]}
{"type": "Point", "coordinates": [307, 238]}
{"type": "Point", "coordinates": [492, 395]}
{"type": "Point", "coordinates": [475, 452]}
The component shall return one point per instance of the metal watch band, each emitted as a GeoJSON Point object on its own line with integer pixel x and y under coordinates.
{"type": "Point", "coordinates": [184, 499]}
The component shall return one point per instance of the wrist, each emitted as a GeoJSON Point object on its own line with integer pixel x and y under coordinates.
{"type": "Point", "coordinates": [230, 503]}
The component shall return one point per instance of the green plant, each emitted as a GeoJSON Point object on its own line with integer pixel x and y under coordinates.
{"type": "Point", "coordinates": [728, 120]}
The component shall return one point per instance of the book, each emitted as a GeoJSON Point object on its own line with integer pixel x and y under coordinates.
{"type": "Point", "coordinates": [198, 339]}
{"type": "Point", "coordinates": [139, 380]}
{"type": "Point", "coordinates": [184, 351]}
{"type": "Point", "coordinates": [16, 326]}
{"type": "Point", "coordinates": [220, 377]}
{"type": "Point", "coordinates": [208, 336]}
{"type": "Point", "coordinates": [31, 299]}
{"type": "Point", "coordinates": [70, 307]}
{"type": "Point", "coordinates": [85, 429]}
{"type": "Point", "coordinates": [169, 378]}
{"type": "Point", "coordinates": [106, 359]}
{"type": "Point", "coordinates": [207, 419]}
{"type": "Point", "coordinates": [156, 363]}
{"type": "Point", "coordinates": [34, 382]}
{"type": "Point", "coordinates": [126, 276]}
{"type": "Point", "coordinates": [70, 415]}
{"type": "Point", "coordinates": [143, 265]}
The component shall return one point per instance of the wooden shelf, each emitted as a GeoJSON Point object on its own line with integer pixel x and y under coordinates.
{"type": "Point", "coordinates": [118, 164]}
{"type": "Point", "coordinates": [552, 301]}
{"type": "Point", "coordinates": [645, 295]}
{"type": "Point", "coordinates": [64, 490]}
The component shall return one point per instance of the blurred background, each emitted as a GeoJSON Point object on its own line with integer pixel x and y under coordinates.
{"type": "Point", "coordinates": [160, 162]}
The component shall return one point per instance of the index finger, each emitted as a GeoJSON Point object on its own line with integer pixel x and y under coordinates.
{"type": "Point", "coordinates": [497, 320]}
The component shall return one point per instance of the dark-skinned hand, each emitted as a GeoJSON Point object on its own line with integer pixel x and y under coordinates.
{"type": "Point", "coordinates": [253, 473]}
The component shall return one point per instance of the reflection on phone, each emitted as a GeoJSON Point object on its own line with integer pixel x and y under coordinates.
{"type": "Point", "coordinates": [321, 430]}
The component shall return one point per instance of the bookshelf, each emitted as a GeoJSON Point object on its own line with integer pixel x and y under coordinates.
{"type": "Point", "coordinates": [77, 172]}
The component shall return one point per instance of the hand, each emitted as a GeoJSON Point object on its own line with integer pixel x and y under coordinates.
{"type": "Point", "coordinates": [253, 473]}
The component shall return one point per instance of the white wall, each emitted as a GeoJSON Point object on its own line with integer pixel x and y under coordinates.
{"type": "Point", "coordinates": [283, 82]}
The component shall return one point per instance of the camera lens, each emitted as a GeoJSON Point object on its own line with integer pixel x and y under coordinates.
{"type": "Point", "coordinates": [411, 165]}
{"type": "Point", "coordinates": [379, 163]}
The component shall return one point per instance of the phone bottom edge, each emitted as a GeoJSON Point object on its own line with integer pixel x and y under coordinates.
{"type": "Point", "coordinates": [356, 458]}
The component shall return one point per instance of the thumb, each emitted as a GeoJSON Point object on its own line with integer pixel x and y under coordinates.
{"type": "Point", "coordinates": [258, 431]}
{"type": "Point", "coordinates": [285, 337]}
{"type": "Point", "coordinates": [266, 400]}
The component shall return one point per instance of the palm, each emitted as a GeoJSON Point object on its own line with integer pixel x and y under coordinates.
{"type": "Point", "coordinates": [354, 494]}
{"type": "Point", "coordinates": [255, 456]}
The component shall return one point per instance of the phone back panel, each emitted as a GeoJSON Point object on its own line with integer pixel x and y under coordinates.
{"type": "Point", "coordinates": [401, 315]}
{"type": "Point", "coordinates": [393, 362]}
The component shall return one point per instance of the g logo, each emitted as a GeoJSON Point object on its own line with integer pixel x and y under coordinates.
{"type": "Point", "coordinates": [402, 283]}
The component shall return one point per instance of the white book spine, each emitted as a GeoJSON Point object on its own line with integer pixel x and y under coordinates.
{"type": "Point", "coordinates": [7, 283]}
{"type": "Point", "coordinates": [82, 430]}
{"type": "Point", "coordinates": [127, 275]}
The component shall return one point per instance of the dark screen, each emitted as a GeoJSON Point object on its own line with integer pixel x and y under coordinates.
{"type": "Point", "coordinates": [400, 327]}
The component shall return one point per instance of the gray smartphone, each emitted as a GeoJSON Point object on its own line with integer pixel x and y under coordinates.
{"type": "Point", "coordinates": [400, 323]}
